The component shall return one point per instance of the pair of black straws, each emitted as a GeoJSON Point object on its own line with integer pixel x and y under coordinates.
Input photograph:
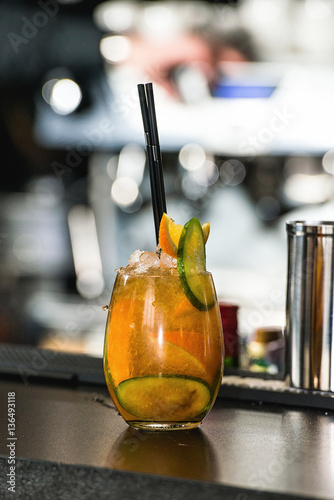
{"type": "Point", "coordinates": [147, 105]}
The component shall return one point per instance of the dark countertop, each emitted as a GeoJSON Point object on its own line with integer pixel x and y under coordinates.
{"type": "Point", "coordinates": [71, 443]}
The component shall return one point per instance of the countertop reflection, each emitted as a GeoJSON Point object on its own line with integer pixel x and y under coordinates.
{"type": "Point", "coordinates": [186, 454]}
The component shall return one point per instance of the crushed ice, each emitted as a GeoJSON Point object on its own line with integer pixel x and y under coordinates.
{"type": "Point", "coordinates": [166, 261]}
{"type": "Point", "coordinates": [148, 260]}
{"type": "Point", "coordinates": [144, 262]}
{"type": "Point", "coordinates": [134, 257]}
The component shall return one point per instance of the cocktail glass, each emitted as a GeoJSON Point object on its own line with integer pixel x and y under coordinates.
{"type": "Point", "coordinates": [163, 357]}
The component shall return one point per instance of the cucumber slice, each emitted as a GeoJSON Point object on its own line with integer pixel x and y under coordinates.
{"type": "Point", "coordinates": [164, 398]}
{"type": "Point", "coordinates": [191, 266]}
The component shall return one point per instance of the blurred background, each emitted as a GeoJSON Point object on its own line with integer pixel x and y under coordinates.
{"type": "Point", "coordinates": [244, 95]}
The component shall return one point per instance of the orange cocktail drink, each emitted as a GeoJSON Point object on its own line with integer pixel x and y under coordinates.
{"type": "Point", "coordinates": [163, 352]}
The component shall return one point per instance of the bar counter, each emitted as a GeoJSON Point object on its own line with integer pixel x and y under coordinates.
{"type": "Point", "coordinates": [71, 443]}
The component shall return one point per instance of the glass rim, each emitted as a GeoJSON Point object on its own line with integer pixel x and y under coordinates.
{"type": "Point", "coordinates": [169, 272]}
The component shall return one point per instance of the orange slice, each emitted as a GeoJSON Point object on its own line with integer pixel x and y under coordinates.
{"type": "Point", "coordinates": [169, 235]}
{"type": "Point", "coordinates": [117, 345]}
{"type": "Point", "coordinates": [157, 356]}
{"type": "Point", "coordinates": [191, 351]}
{"type": "Point", "coordinates": [206, 231]}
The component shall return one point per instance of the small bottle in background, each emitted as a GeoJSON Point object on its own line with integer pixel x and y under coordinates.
{"type": "Point", "coordinates": [266, 350]}
{"type": "Point", "coordinates": [229, 314]}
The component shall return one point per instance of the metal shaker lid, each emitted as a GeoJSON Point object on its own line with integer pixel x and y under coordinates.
{"type": "Point", "coordinates": [305, 227]}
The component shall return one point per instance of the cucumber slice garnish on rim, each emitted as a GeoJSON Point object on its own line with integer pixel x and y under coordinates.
{"type": "Point", "coordinates": [191, 266]}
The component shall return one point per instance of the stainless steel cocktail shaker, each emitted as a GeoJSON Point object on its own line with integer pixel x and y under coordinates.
{"type": "Point", "coordinates": [310, 305]}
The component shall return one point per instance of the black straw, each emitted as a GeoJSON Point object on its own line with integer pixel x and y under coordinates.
{"type": "Point", "coordinates": [147, 105]}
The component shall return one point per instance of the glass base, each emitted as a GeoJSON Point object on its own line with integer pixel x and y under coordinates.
{"type": "Point", "coordinates": [163, 426]}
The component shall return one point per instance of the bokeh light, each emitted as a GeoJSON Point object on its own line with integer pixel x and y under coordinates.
{"type": "Point", "coordinates": [318, 9]}
{"type": "Point", "coordinates": [124, 191]}
{"type": "Point", "coordinates": [115, 49]}
{"type": "Point", "coordinates": [268, 208]}
{"type": "Point", "coordinates": [86, 252]}
{"type": "Point", "coordinates": [65, 96]}
{"type": "Point", "coordinates": [160, 21]}
{"type": "Point", "coordinates": [328, 162]}
{"type": "Point", "coordinates": [304, 188]}
{"type": "Point", "coordinates": [207, 175]}
{"type": "Point", "coordinates": [192, 156]}
{"type": "Point", "coordinates": [116, 16]}
{"type": "Point", "coordinates": [232, 172]}
{"type": "Point", "coordinates": [47, 89]}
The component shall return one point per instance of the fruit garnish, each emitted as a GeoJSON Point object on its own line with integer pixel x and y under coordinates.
{"type": "Point", "coordinates": [169, 235]}
{"type": "Point", "coordinates": [191, 266]}
{"type": "Point", "coordinates": [206, 231]}
{"type": "Point", "coordinates": [164, 397]}
{"type": "Point", "coordinates": [198, 359]}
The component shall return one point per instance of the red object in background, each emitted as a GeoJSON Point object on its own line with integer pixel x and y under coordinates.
{"type": "Point", "coordinates": [229, 315]}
